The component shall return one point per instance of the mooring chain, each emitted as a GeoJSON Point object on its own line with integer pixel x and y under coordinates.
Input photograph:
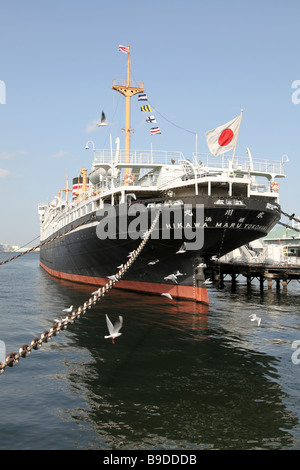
{"type": "Point", "coordinates": [47, 241]}
{"type": "Point", "coordinates": [288, 226]}
{"type": "Point", "coordinates": [36, 343]}
{"type": "Point", "coordinates": [291, 217]}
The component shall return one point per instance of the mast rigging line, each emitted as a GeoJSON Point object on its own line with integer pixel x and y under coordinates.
{"type": "Point", "coordinates": [166, 119]}
{"type": "Point", "coordinates": [171, 122]}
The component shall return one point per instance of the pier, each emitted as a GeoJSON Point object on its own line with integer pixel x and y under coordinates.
{"type": "Point", "coordinates": [278, 275]}
{"type": "Point", "coordinates": [279, 271]}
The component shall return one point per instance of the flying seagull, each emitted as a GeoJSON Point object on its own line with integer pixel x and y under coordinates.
{"type": "Point", "coordinates": [68, 310]}
{"type": "Point", "coordinates": [113, 278]}
{"type": "Point", "coordinates": [178, 273]}
{"type": "Point", "coordinates": [97, 292]}
{"type": "Point", "coordinates": [153, 262]}
{"type": "Point", "coordinates": [114, 329]}
{"type": "Point", "coordinates": [182, 249]}
{"type": "Point", "coordinates": [103, 120]}
{"type": "Point", "coordinates": [172, 278]}
{"type": "Point", "coordinates": [255, 317]}
{"type": "Point", "coordinates": [165, 294]}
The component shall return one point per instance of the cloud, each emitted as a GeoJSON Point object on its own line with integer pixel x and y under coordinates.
{"type": "Point", "coordinates": [60, 154]}
{"type": "Point", "coordinates": [92, 126]}
{"type": "Point", "coordinates": [11, 155]}
{"type": "Point", "coordinates": [4, 173]}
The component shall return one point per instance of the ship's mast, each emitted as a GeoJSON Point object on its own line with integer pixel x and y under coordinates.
{"type": "Point", "coordinates": [127, 89]}
{"type": "Point", "coordinates": [66, 190]}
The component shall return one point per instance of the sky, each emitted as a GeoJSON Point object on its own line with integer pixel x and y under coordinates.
{"type": "Point", "coordinates": [201, 62]}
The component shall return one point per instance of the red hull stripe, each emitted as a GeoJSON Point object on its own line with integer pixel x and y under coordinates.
{"type": "Point", "coordinates": [198, 294]}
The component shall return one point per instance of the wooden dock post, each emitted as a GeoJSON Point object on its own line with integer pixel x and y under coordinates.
{"type": "Point", "coordinates": [261, 283]}
{"type": "Point", "coordinates": [279, 274]}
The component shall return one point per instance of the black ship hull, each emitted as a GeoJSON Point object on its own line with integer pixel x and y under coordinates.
{"type": "Point", "coordinates": [228, 223]}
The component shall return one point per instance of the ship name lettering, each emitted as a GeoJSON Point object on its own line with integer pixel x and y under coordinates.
{"type": "Point", "coordinates": [229, 212]}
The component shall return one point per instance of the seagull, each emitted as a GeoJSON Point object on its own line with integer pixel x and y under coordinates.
{"type": "Point", "coordinates": [113, 278]}
{"type": "Point", "coordinates": [165, 294]}
{"type": "Point", "coordinates": [201, 265]}
{"type": "Point", "coordinates": [153, 262]}
{"type": "Point", "coordinates": [207, 281]}
{"type": "Point", "coordinates": [120, 266]}
{"type": "Point", "coordinates": [182, 249]}
{"type": "Point", "coordinates": [103, 120]}
{"type": "Point", "coordinates": [178, 273]}
{"type": "Point", "coordinates": [172, 278]}
{"type": "Point", "coordinates": [114, 329]}
{"type": "Point", "coordinates": [255, 317]}
{"type": "Point", "coordinates": [68, 310]}
{"type": "Point", "coordinates": [97, 292]}
{"type": "Point", "coordinates": [130, 254]}
{"type": "Point", "coordinates": [131, 196]}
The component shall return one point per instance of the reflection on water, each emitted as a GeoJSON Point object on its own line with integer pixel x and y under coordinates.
{"type": "Point", "coordinates": [171, 382]}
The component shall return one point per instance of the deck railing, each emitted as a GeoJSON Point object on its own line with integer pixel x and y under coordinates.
{"type": "Point", "coordinates": [149, 157]}
{"type": "Point", "coordinates": [262, 165]}
{"type": "Point", "coordinates": [162, 157]}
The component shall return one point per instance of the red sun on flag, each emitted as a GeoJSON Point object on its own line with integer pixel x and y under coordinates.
{"type": "Point", "coordinates": [225, 137]}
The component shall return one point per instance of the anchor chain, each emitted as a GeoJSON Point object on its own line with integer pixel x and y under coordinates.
{"type": "Point", "coordinates": [36, 343]}
{"type": "Point", "coordinates": [291, 217]}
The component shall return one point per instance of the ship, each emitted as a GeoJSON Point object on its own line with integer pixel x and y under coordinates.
{"type": "Point", "coordinates": [223, 201]}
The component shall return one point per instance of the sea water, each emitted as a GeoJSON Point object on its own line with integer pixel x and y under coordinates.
{"type": "Point", "coordinates": [180, 376]}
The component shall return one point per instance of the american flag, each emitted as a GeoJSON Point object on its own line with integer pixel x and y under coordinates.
{"type": "Point", "coordinates": [155, 130]}
{"type": "Point", "coordinates": [124, 49]}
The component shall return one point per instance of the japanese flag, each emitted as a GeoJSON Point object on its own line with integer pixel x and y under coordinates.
{"type": "Point", "coordinates": [223, 138]}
